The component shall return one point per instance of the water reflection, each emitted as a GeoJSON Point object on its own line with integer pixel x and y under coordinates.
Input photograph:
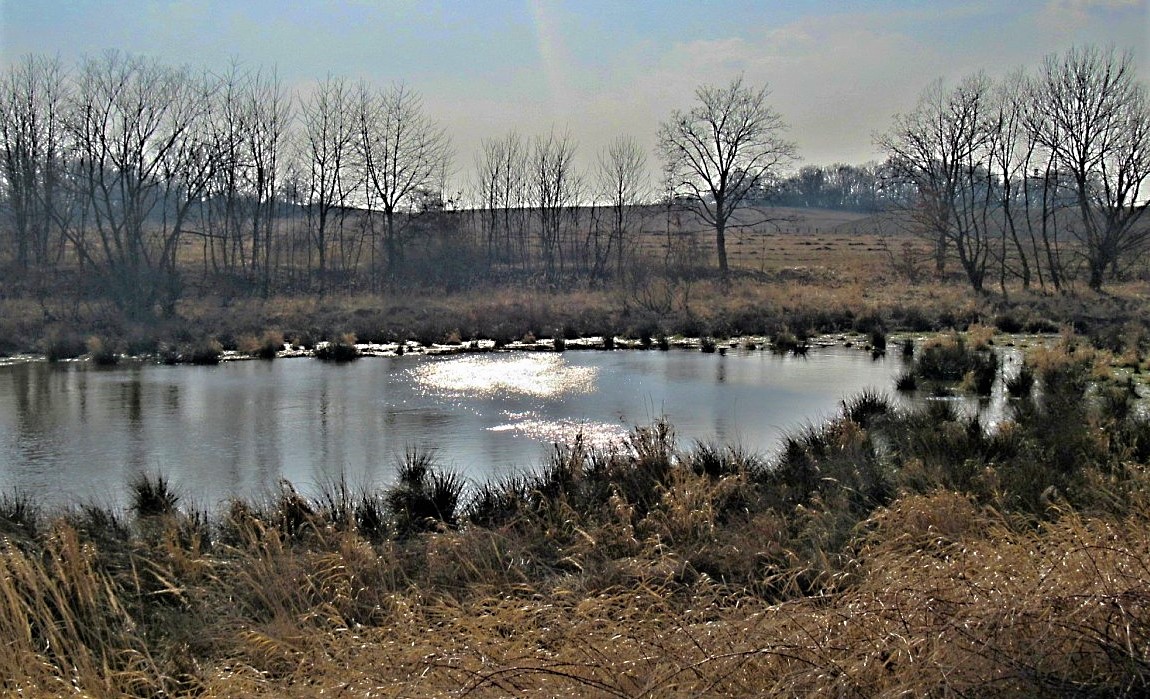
{"type": "Point", "coordinates": [71, 432]}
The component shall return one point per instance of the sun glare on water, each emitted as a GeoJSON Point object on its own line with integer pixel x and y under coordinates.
{"type": "Point", "coordinates": [539, 376]}
{"type": "Point", "coordinates": [542, 376]}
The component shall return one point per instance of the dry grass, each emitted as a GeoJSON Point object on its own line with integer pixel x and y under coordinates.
{"type": "Point", "coordinates": [946, 599]}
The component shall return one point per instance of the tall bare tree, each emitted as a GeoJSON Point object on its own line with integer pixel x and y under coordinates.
{"type": "Point", "coordinates": [1092, 115]}
{"type": "Point", "coordinates": [624, 185]}
{"type": "Point", "coordinates": [404, 153]}
{"type": "Point", "coordinates": [32, 150]}
{"type": "Point", "coordinates": [500, 190]}
{"type": "Point", "coordinates": [943, 149]}
{"type": "Point", "coordinates": [143, 158]}
{"type": "Point", "coordinates": [721, 150]}
{"type": "Point", "coordinates": [329, 162]}
{"type": "Point", "coordinates": [250, 121]}
{"type": "Point", "coordinates": [556, 189]}
{"type": "Point", "coordinates": [269, 110]}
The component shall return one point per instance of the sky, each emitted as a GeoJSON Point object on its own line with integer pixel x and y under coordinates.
{"type": "Point", "coordinates": [837, 70]}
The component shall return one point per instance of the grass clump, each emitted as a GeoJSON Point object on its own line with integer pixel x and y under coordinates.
{"type": "Point", "coordinates": [906, 382]}
{"type": "Point", "coordinates": [152, 496]}
{"type": "Point", "coordinates": [20, 517]}
{"type": "Point", "coordinates": [425, 497]}
{"type": "Point", "coordinates": [341, 349]}
{"type": "Point", "coordinates": [952, 360]}
{"type": "Point", "coordinates": [785, 341]}
{"type": "Point", "coordinates": [1021, 383]}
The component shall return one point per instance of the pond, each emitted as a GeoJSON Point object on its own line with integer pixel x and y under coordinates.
{"type": "Point", "coordinates": [74, 432]}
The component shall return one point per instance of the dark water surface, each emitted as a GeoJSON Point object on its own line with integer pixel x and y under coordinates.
{"type": "Point", "coordinates": [72, 432]}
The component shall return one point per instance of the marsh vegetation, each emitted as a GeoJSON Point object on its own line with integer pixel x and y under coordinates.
{"type": "Point", "coordinates": [885, 550]}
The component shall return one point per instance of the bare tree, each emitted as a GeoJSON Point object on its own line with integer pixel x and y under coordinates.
{"type": "Point", "coordinates": [555, 193]}
{"type": "Point", "coordinates": [1092, 115]}
{"type": "Point", "coordinates": [32, 149]}
{"type": "Point", "coordinates": [269, 111]}
{"type": "Point", "coordinates": [500, 187]}
{"type": "Point", "coordinates": [328, 157]}
{"type": "Point", "coordinates": [250, 120]}
{"type": "Point", "coordinates": [1028, 247]}
{"type": "Point", "coordinates": [404, 153]}
{"type": "Point", "coordinates": [721, 150]}
{"type": "Point", "coordinates": [943, 149]}
{"type": "Point", "coordinates": [624, 185]}
{"type": "Point", "coordinates": [143, 159]}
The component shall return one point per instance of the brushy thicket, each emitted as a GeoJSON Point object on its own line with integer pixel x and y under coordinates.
{"type": "Point", "coordinates": [885, 552]}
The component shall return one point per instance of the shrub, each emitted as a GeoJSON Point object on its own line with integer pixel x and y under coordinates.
{"type": "Point", "coordinates": [982, 374]}
{"type": "Point", "coordinates": [1008, 323]}
{"type": "Point", "coordinates": [265, 347]}
{"type": "Point", "coordinates": [786, 341]}
{"type": "Point", "coordinates": [205, 353]}
{"type": "Point", "coordinates": [878, 340]}
{"type": "Point", "coordinates": [944, 359]}
{"type": "Point", "coordinates": [951, 360]}
{"type": "Point", "coordinates": [64, 345]}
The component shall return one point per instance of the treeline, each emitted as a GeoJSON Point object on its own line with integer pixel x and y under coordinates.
{"type": "Point", "coordinates": [131, 179]}
{"type": "Point", "coordinates": [138, 173]}
{"type": "Point", "coordinates": [1036, 177]}
{"type": "Point", "coordinates": [869, 187]}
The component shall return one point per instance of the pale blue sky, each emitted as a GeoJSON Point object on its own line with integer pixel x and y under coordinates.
{"type": "Point", "coordinates": [838, 70]}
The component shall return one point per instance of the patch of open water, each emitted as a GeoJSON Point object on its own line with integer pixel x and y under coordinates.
{"type": "Point", "coordinates": [73, 432]}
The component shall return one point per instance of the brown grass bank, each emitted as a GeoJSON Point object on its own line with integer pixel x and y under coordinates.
{"type": "Point", "coordinates": [756, 305]}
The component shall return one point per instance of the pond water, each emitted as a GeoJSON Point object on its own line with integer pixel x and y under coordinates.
{"type": "Point", "coordinates": [73, 432]}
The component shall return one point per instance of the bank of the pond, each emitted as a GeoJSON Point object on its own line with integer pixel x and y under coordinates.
{"type": "Point", "coordinates": [509, 314]}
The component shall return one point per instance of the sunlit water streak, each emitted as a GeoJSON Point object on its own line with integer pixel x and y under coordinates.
{"type": "Point", "coordinates": [541, 376]}
{"type": "Point", "coordinates": [538, 375]}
